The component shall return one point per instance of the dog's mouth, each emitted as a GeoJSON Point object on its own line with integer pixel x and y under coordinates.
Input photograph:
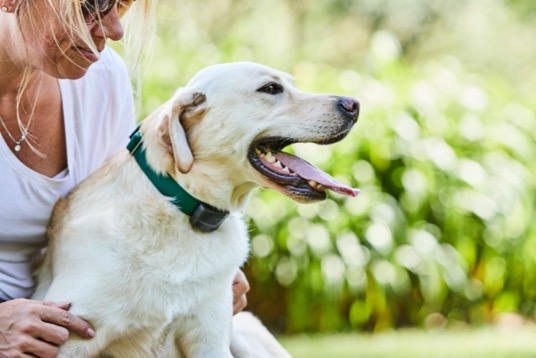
{"type": "Point", "coordinates": [296, 177]}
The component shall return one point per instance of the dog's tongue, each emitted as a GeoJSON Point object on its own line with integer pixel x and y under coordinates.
{"type": "Point", "coordinates": [308, 171]}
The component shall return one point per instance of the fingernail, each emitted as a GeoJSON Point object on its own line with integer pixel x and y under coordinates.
{"type": "Point", "coordinates": [90, 333]}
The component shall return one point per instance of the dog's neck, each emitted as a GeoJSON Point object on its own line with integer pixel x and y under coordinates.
{"type": "Point", "coordinates": [215, 188]}
{"type": "Point", "coordinates": [207, 182]}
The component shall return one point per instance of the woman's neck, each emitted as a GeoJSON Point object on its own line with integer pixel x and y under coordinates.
{"type": "Point", "coordinates": [16, 72]}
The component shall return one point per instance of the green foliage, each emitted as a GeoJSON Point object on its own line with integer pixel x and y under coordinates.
{"type": "Point", "coordinates": [442, 154]}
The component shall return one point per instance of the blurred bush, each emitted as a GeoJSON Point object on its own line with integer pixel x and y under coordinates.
{"type": "Point", "coordinates": [443, 229]}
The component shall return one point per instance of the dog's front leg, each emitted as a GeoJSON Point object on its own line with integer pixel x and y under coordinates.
{"type": "Point", "coordinates": [207, 334]}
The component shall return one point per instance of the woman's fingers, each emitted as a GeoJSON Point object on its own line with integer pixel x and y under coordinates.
{"type": "Point", "coordinates": [54, 334]}
{"type": "Point", "coordinates": [240, 288]}
{"type": "Point", "coordinates": [38, 348]}
{"type": "Point", "coordinates": [57, 314]}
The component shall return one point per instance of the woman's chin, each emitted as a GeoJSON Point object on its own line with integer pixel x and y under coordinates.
{"type": "Point", "coordinates": [73, 71]}
{"type": "Point", "coordinates": [76, 65]}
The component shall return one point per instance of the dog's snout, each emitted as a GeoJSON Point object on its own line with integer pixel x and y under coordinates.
{"type": "Point", "coordinates": [349, 106]}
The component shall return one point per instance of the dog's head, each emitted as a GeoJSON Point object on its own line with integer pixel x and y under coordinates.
{"type": "Point", "coordinates": [227, 127]}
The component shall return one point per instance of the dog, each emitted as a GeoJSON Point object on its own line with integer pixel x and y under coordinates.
{"type": "Point", "coordinates": [146, 247]}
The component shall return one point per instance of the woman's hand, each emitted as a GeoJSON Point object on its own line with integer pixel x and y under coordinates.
{"type": "Point", "coordinates": [37, 329]}
{"type": "Point", "coordinates": [240, 288]}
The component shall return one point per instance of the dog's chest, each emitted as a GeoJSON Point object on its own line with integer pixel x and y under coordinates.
{"type": "Point", "coordinates": [174, 253]}
{"type": "Point", "coordinates": [157, 269]}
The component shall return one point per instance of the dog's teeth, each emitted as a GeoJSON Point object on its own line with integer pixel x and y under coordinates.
{"type": "Point", "coordinates": [270, 158]}
{"type": "Point", "coordinates": [315, 185]}
{"type": "Point", "coordinates": [286, 170]}
{"type": "Point", "coordinates": [259, 153]}
{"type": "Point", "coordinates": [278, 164]}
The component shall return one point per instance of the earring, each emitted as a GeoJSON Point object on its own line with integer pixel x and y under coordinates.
{"type": "Point", "coordinates": [4, 8]}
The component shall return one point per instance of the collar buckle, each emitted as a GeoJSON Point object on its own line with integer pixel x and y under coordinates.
{"type": "Point", "coordinates": [207, 218]}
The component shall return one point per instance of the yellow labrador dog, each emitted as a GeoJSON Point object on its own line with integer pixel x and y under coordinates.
{"type": "Point", "coordinates": [146, 248]}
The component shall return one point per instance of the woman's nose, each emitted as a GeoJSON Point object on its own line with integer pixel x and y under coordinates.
{"type": "Point", "coordinates": [109, 27]}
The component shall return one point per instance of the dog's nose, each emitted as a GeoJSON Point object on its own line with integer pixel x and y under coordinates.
{"type": "Point", "coordinates": [349, 106]}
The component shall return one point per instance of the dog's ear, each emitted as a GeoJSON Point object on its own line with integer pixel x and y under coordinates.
{"type": "Point", "coordinates": [174, 130]}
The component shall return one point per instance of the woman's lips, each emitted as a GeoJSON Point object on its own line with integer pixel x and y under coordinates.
{"type": "Point", "coordinates": [88, 54]}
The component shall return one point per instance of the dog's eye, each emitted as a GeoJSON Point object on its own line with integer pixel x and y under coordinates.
{"type": "Point", "coordinates": [271, 88]}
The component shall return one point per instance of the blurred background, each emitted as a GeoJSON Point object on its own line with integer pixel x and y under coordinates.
{"type": "Point", "coordinates": [442, 235]}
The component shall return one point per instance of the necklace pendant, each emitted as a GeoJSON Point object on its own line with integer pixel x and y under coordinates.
{"type": "Point", "coordinates": [17, 148]}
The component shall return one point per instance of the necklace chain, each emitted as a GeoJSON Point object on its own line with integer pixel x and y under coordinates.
{"type": "Point", "coordinates": [24, 131]}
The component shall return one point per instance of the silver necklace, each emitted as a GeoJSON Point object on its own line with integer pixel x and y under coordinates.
{"type": "Point", "coordinates": [23, 130]}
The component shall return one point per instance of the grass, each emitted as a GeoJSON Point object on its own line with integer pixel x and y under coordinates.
{"type": "Point", "coordinates": [467, 343]}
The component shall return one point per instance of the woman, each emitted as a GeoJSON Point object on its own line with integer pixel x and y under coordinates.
{"type": "Point", "coordinates": [65, 107]}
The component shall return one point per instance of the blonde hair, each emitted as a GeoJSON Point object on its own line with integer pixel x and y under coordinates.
{"type": "Point", "coordinates": [138, 23]}
{"type": "Point", "coordinates": [139, 29]}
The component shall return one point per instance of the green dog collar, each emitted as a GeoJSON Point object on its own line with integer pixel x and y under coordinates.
{"type": "Point", "coordinates": [203, 216]}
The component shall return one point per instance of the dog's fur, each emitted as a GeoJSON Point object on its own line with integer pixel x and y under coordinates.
{"type": "Point", "coordinates": [129, 261]}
